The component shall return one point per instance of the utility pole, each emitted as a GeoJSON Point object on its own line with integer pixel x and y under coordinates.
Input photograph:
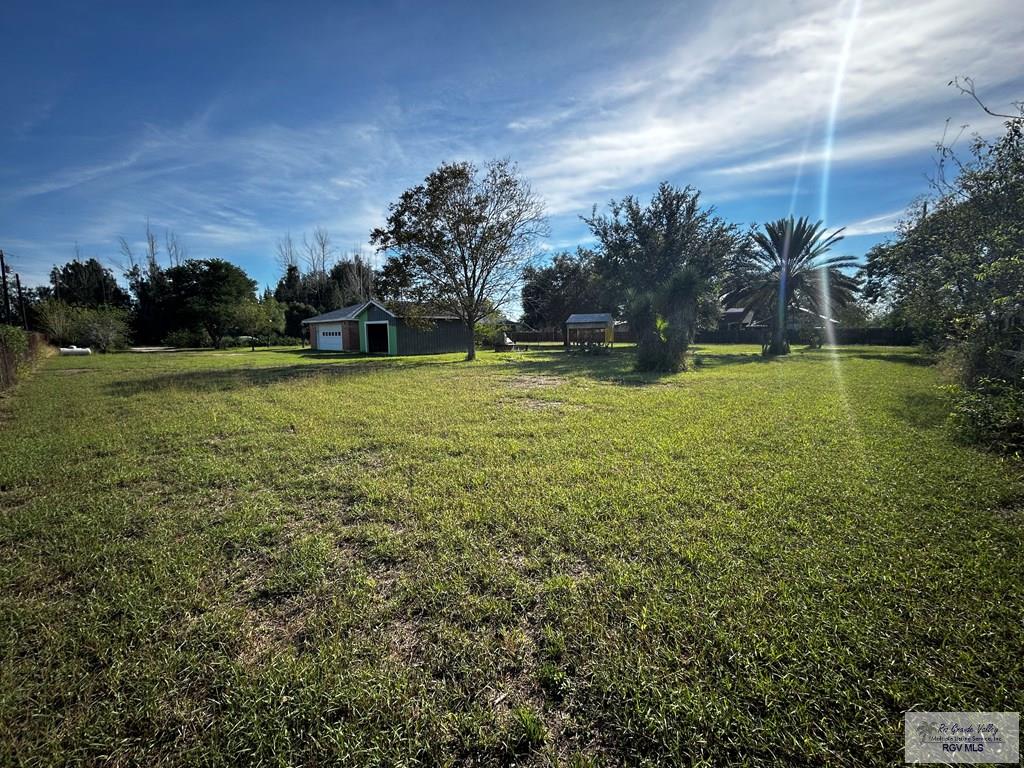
{"type": "Point", "coordinates": [21, 301]}
{"type": "Point", "coordinates": [7, 297]}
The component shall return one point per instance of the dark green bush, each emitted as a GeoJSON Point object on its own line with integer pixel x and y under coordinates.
{"type": "Point", "coordinates": [991, 413]}
{"type": "Point", "coordinates": [17, 350]}
{"type": "Point", "coordinates": [188, 338]}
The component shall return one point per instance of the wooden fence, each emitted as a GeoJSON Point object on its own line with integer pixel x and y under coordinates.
{"type": "Point", "coordinates": [890, 337]}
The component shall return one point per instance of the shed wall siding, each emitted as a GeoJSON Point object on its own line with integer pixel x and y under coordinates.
{"type": "Point", "coordinates": [443, 336]}
{"type": "Point", "coordinates": [373, 312]}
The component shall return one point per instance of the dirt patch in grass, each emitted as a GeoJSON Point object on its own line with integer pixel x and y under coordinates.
{"type": "Point", "coordinates": [536, 381]}
{"type": "Point", "coordinates": [270, 628]}
{"type": "Point", "coordinates": [401, 641]}
{"type": "Point", "coordinates": [528, 403]}
{"type": "Point", "coordinates": [533, 404]}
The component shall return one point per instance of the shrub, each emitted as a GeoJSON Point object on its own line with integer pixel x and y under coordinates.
{"type": "Point", "coordinates": [990, 413]}
{"type": "Point", "coordinates": [104, 328]}
{"type": "Point", "coordinates": [58, 320]}
{"type": "Point", "coordinates": [188, 338]}
{"type": "Point", "coordinates": [17, 350]}
{"type": "Point", "coordinates": [484, 334]}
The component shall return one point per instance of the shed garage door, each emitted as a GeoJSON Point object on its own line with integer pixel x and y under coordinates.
{"type": "Point", "coordinates": [328, 336]}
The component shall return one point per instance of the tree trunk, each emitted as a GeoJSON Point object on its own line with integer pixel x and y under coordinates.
{"type": "Point", "coordinates": [779, 345]}
{"type": "Point", "coordinates": [471, 351]}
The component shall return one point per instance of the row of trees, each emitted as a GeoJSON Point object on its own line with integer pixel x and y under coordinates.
{"type": "Point", "coordinates": [670, 266]}
{"type": "Point", "coordinates": [193, 301]}
{"type": "Point", "coordinates": [462, 243]}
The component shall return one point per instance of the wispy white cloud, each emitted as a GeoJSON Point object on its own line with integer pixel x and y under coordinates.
{"type": "Point", "coordinates": [725, 102]}
{"type": "Point", "coordinates": [754, 79]}
{"type": "Point", "coordinates": [875, 225]}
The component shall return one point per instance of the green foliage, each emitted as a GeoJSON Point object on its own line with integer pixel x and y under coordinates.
{"type": "Point", "coordinates": [955, 273]}
{"type": "Point", "coordinates": [570, 283]}
{"type": "Point", "coordinates": [57, 320]}
{"type": "Point", "coordinates": [459, 241]}
{"type": "Point", "coordinates": [104, 328]}
{"type": "Point", "coordinates": [13, 340]}
{"type": "Point", "coordinates": [206, 293]}
{"type": "Point", "coordinates": [784, 270]}
{"type": "Point", "coordinates": [528, 731]}
{"type": "Point", "coordinates": [271, 558]}
{"type": "Point", "coordinates": [990, 413]}
{"type": "Point", "coordinates": [667, 260]}
{"type": "Point", "coordinates": [259, 319]}
{"type": "Point", "coordinates": [294, 314]}
{"type": "Point", "coordinates": [14, 350]}
{"type": "Point", "coordinates": [19, 350]}
{"type": "Point", "coordinates": [349, 281]}
{"type": "Point", "coordinates": [87, 284]}
{"type": "Point", "coordinates": [187, 338]}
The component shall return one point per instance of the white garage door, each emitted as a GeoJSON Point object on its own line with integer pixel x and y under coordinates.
{"type": "Point", "coordinates": [328, 336]}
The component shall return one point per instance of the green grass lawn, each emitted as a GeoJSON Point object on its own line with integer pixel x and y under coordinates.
{"type": "Point", "coordinates": [284, 558]}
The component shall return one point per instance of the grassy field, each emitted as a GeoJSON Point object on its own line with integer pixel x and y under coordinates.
{"type": "Point", "coordinates": [283, 558]}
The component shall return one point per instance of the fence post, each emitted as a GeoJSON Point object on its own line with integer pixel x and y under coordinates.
{"type": "Point", "coordinates": [21, 301]}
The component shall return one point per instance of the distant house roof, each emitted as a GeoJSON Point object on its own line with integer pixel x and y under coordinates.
{"type": "Point", "coordinates": [595, 318]}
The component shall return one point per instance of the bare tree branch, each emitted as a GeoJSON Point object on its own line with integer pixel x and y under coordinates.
{"type": "Point", "coordinates": [966, 87]}
{"type": "Point", "coordinates": [286, 253]}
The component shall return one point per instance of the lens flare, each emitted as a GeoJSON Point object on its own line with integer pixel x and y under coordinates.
{"type": "Point", "coordinates": [823, 200]}
{"type": "Point", "coordinates": [833, 112]}
{"type": "Point", "coordinates": [800, 168]}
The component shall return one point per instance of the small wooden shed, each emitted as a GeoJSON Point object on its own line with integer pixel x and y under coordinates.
{"type": "Point", "coordinates": [592, 328]}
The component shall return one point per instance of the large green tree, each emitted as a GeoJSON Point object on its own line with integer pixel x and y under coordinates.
{"type": "Point", "coordinates": [570, 283]}
{"type": "Point", "coordinates": [786, 267]}
{"type": "Point", "coordinates": [87, 284]}
{"type": "Point", "coordinates": [206, 293]}
{"type": "Point", "coordinates": [955, 271]}
{"type": "Point", "coordinates": [667, 258]}
{"type": "Point", "coordinates": [461, 238]}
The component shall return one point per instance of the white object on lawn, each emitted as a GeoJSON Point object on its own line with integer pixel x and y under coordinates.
{"type": "Point", "coordinates": [73, 350]}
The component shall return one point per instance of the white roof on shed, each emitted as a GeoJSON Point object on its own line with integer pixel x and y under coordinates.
{"type": "Point", "coordinates": [596, 318]}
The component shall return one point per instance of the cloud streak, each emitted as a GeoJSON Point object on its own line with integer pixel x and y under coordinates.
{"type": "Point", "coordinates": [725, 103]}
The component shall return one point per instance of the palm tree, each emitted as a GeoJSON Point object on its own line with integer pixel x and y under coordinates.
{"type": "Point", "coordinates": [786, 268]}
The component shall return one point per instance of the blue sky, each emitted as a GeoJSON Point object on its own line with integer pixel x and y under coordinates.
{"type": "Point", "coordinates": [232, 123]}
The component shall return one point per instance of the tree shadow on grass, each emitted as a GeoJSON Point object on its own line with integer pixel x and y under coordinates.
{"type": "Point", "coordinates": [923, 410]}
{"type": "Point", "coordinates": [615, 367]}
{"type": "Point", "coordinates": [316, 354]}
{"type": "Point", "coordinates": [225, 379]}
{"type": "Point", "coordinates": [907, 358]}
{"type": "Point", "coordinates": [703, 359]}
